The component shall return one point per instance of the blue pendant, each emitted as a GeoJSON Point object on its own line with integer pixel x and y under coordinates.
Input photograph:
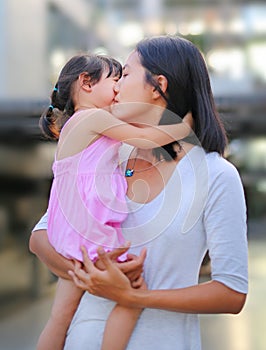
{"type": "Point", "coordinates": [129, 172]}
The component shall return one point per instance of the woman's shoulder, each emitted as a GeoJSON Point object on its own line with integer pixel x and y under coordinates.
{"type": "Point", "coordinates": [220, 167]}
{"type": "Point", "coordinates": [125, 151]}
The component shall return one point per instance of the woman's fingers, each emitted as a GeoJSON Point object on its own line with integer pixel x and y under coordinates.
{"type": "Point", "coordinates": [104, 258]}
{"type": "Point", "coordinates": [76, 280]}
{"type": "Point", "coordinates": [109, 283]}
{"type": "Point", "coordinates": [90, 278]}
{"type": "Point", "coordinates": [79, 276]}
{"type": "Point", "coordinates": [143, 254]}
{"type": "Point", "coordinates": [88, 264]}
{"type": "Point", "coordinates": [115, 253]}
{"type": "Point", "coordinates": [81, 273]}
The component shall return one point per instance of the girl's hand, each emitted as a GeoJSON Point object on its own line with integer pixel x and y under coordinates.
{"type": "Point", "coordinates": [188, 119]}
{"type": "Point", "coordinates": [133, 267]}
{"type": "Point", "coordinates": [110, 283]}
{"type": "Point", "coordinates": [139, 283]}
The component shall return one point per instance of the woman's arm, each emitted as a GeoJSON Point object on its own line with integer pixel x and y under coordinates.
{"type": "Point", "coordinates": [40, 246]}
{"type": "Point", "coordinates": [59, 265]}
{"type": "Point", "coordinates": [210, 297]}
{"type": "Point", "coordinates": [205, 298]}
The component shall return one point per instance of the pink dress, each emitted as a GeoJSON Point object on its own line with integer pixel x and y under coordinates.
{"type": "Point", "coordinates": [87, 201]}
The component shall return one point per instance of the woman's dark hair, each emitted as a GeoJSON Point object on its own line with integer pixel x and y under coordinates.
{"type": "Point", "coordinates": [62, 107]}
{"type": "Point", "coordinates": [188, 89]}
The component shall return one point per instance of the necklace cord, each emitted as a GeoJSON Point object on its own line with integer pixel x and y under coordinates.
{"type": "Point", "coordinates": [129, 172]}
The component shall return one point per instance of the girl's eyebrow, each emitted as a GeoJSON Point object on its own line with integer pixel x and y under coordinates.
{"type": "Point", "coordinates": [125, 66]}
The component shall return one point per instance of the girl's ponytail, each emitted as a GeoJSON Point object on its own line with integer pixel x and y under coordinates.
{"type": "Point", "coordinates": [51, 119]}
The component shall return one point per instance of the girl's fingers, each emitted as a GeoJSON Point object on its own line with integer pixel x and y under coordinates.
{"type": "Point", "coordinates": [133, 275]}
{"type": "Point", "coordinates": [138, 283]}
{"type": "Point", "coordinates": [134, 266]}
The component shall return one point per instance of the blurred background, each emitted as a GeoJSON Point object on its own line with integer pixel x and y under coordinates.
{"type": "Point", "coordinates": [36, 39]}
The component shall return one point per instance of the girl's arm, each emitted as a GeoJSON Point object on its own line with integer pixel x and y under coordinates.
{"type": "Point", "coordinates": [148, 137]}
{"type": "Point", "coordinates": [209, 297]}
{"type": "Point", "coordinates": [103, 123]}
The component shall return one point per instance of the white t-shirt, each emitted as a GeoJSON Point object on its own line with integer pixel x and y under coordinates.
{"type": "Point", "coordinates": [201, 207]}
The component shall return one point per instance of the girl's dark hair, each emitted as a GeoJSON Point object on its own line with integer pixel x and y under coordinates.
{"type": "Point", "coordinates": [62, 107]}
{"type": "Point", "coordinates": [188, 89]}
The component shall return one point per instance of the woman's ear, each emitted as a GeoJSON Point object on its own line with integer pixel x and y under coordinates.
{"type": "Point", "coordinates": [84, 81]}
{"type": "Point", "coordinates": [162, 83]}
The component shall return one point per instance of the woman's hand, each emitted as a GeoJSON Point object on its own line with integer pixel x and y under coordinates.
{"type": "Point", "coordinates": [113, 256]}
{"type": "Point", "coordinates": [132, 268]}
{"type": "Point", "coordinates": [110, 283]}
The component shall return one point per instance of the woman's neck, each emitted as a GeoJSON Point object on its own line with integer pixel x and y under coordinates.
{"type": "Point", "coordinates": [145, 154]}
{"type": "Point", "coordinates": [150, 116]}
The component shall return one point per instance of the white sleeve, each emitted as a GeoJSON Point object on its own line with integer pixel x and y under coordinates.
{"type": "Point", "coordinates": [225, 224]}
{"type": "Point", "coordinates": [42, 223]}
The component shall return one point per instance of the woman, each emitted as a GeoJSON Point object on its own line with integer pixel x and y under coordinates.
{"type": "Point", "coordinates": [184, 200]}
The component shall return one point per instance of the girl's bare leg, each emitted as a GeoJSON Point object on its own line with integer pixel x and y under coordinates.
{"type": "Point", "coordinates": [66, 301]}
{"type": "Point", "coordinates": [119, 327]}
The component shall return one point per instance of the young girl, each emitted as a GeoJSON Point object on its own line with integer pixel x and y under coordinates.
{"type": "Point", "coordinates": [87, 199]}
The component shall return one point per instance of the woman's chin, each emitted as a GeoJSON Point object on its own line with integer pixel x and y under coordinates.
{"type": "Point", "coordinates": [119, 110]}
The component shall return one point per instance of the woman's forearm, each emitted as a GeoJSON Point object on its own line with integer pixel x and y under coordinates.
{"type": "Point", "coordinates": [209, 297]}
{"type": "Point", "coordinates": [59, 265]}
{"type": "Point", "coordinates": [206, 298]}
{"type": "Point", "coordinates": [40, 246]}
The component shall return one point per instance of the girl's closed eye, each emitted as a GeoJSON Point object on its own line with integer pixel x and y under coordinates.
{"type": "Point", "coordinates": [124, 72]}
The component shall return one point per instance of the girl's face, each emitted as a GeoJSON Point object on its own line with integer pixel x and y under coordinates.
{"type": "Point", "coordinates": [102, 93]}
{"type": "Point", "coordinates": [133, 94]}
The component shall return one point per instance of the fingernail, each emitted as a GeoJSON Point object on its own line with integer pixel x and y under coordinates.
{"type": "Point", "coordinates": [101, 250]}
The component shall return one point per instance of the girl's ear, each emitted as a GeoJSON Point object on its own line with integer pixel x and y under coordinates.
{"type": "Point", "coordinates": [84, 81]}
{"type": "Point", "coordinates": [162, 83]}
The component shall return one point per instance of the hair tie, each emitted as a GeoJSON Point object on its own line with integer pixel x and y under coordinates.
{"type": "Point", "coordinates": [51, 107]}
{"type": "Point", "coordinates": [55, 89]}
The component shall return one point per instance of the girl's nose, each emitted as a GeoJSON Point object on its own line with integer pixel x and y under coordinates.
{"type": "Point", "coordinates": [116, 86]}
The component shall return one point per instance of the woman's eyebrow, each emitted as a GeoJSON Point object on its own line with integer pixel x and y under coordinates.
{"type": "Point", "coordinates": [125, 66]}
